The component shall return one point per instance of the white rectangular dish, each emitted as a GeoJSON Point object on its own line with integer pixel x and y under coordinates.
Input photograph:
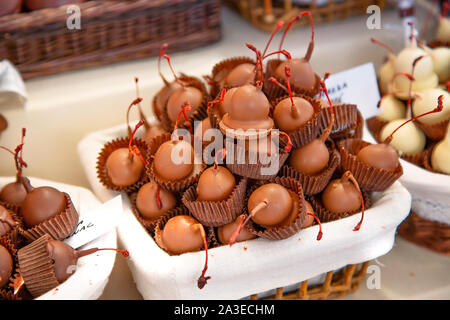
{"type": "Point", "coordinates": [93, 271]}
{"type": "Point", "coordinates": [252, 266]}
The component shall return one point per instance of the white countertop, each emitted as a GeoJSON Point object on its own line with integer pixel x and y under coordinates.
{"type": "Point", "coordinates": [62, 108]}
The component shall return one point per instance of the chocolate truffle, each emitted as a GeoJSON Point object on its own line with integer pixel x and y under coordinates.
{"type": "Point", "coordinates": [6, 221]}
{"type": "Point", "coordinates": [41, 204]}
{"type": "Point", "coordinates": [149, 205]}
{"type": "Point", "coordinates": [192, 95]}
{"type": "Point", "coordinates": [13, 193]}
{"type": "Point", "coordinates": [290, 117]}
{"type": "Point", "coordinates": [215, 184]}
{"type": "Point", "coordinates": [167, 157]}
{"type": "Point", "coordinates": [124, 168]}
{"type": "Point", "coordinates": [381, 156]}
{"type": "Point", "coordinates": [182, 234]}
{"type": "Point", "coordinates": [341, 196]}
{"type": "Point", "coordinates": [6, 266]}
{"type": "Point", "coordinates": [225, 232]}
{"type": "Point", "coordinates": [311, 158]}
{"type": "Point", "coordinates": [164, 94]}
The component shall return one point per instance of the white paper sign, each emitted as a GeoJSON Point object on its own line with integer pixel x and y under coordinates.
{"type": "Point", "coordinates": [96, 223]}
{"type": "Point", "coordinates": [356, 86]}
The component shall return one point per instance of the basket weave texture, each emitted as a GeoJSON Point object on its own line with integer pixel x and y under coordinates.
{"type": "Point", "coordinates": [40, 43]}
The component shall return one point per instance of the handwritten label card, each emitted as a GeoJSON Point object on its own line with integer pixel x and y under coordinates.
{"type": "Point", "coordinates": [96, 223]}
{"type": "Point", "coordinates": [356, 86]}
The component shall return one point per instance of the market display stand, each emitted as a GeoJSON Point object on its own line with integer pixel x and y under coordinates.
{"type": "Point", "coordinates": [96, 98]}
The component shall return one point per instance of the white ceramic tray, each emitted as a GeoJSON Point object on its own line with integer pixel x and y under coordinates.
{"type": "Point", "coordinates": [253, 266]}
{"type": "Point", "coordinates": [93, 271]}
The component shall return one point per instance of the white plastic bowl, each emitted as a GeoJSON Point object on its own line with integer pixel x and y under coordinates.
{"type": "Point", "coordinates": [93, 271]}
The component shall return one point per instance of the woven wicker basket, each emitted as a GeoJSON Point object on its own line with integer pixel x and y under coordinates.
{"type": "Point", "coordinates": [429, 234]}
{"type": "Point", "coordinates": [336, 285]}
{"type": "Point", "coordinates": [265, 14]}
{"type": "Point", "coordinates": [39, 42]}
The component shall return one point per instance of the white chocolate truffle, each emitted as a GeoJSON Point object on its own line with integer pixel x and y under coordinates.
{"type": "Point", "coordinates": [401, 85]}
{"type": "Point", "coordinates": [391, 109]}
{"type": "Point", "coordinates": [427, 102]}
{"type": "Point", "coordinates": [409, 139]}
{"type": "Point", "coordinates": [404, 61]}
{"type": "Point", "coordinates": [440, 157]}
{"type": "Point", "coordinates": [443, 31]}
{"type": "Point", "coordinates": [386, 74]}
{"type": "Point", "coordinates": [441, 60]}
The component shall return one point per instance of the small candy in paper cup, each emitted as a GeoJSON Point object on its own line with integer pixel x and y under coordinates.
{"type": "Point", "coordinates": [427, 158]}
{"type": "Point", "coordinates": [216, 213]}
{"type": "Point", "coordinates": [369, 178]}
{"type": "Point", "coordinates": [313, 184]}
{"type": "Point", "coordinates": [294, 221]}
{"type": "Point", "coordinates": [435, 131]}
{"type": "Point", "coordinates": [10, 224]}
{"type": "Point", "coordinates": [6, 290]}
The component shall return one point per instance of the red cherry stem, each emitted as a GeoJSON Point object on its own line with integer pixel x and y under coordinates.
{"type": "Point", "coordinates": [86, 252]}
{"type": "Point", "coordinates": [185, 107]}
{"type": "Point", "coordinates": [283, 52]}
{"type": "Point", "coordinates": [382, 45]}
{"type": "Point", "coordinates": [222, 96]}
{"type": "Point", "coordinates": [348, 176]}
{"type": "Point", "coordinates": [439, 108]}
{"type": "Point", "coordinates": [167, 57]}
{"type": "Point", "coordinates": [408, 104]}
{"type": "Point", "coordinates": [202, 280]}
{"type": "Point", "coordinates": [411, 36]}
{"type": "Point", "coordinates": [326, 133]}
{"type": "Point", "coordinates": [275, 82]}
{"type": "Point", "coordinates": [223, 153]}
{"type": "Point", "coordinates": [158, 198]}
{"type": "Point", "coordinates": [277, 28]}
{"type": "Point", "coordinates": [132, 148]}
{"type": "Point", "coordinates": [134, 102]}
{"type": "Point", "coordinates": [17, 153]}
{"type": "Point", "coordinates": [320, 234]}
{"type": "Point", "coordinates": [311, 43]}
{"type": "Point", "coordinates": [259, 206]}
{"type": "Point", "coordinates": [161, 53]}
{"type": "Point", "coordinates": [141, 113]}
{"type": "Point", "coordinates": [287, 71]}
{"type": "Point", "coordinates": [289, 144]}
{"type": "Point", "coordinates": [258, 62]}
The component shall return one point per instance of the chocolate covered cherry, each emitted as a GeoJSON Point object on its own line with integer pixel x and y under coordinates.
{"type": "Point", "coordinates": [215, 184]}
{"type": "Point", "coordinates": [6, 221]}
{"type": "Point", "coordinates": [174, 160]}
{"type": "Point", "coordinates": [6, 266]}
{"type": "Point", "coordinates": [381, 156]}
{"type": "Point", "coordinates": [13, 193]}
{"type": "Point", "coordinates": [225, 232]}
{"type": "Point", "coordinates": [182, 234]}
{"type": "Point", "coordinates": [341, 195]}
{"type": "Point", "coordinates": [152, 201]}
{"type": "Point", "coordinates": [240, 75]}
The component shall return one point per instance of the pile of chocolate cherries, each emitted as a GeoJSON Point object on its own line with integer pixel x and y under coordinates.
{"type": "Point", "coordinates": [33, 224]}
{"type": "Point", "coordinates": [255, 153]}
{"type": "Point", "coordinates": [411, 83]}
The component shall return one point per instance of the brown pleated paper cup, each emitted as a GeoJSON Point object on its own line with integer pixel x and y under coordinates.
{"type": "Point", "coordinates": [435, 131]}
{"type": "Point", "coordinates": [284, 232]}
{"type": "Point", "coordinates": [216, 213]}
{"type": "Point", "coordinates": [369, 178]}
{"type": "Point", "coordinates": [7, 292]}
{"type": "Point", "coordinates": [326, 216]}
{"type": "Point", "coordinates": [102, 172]}
{"type": "Point", "coordinates": [345, 118]}
{"type": "Point", "coordinates": [375, 125]}
{"type": "Point", "coordinates": [58, 227]}
{"type": "Point", "coordinates": [313, 184]}
{"type": "Point", "coordinates": [36, 267]}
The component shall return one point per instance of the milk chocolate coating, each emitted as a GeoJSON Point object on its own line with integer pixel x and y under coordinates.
{"type": "Point", "coordinates": [309, 220]}
{"type": "Point", "coordinates": [10, 7]}
{"type": "Point", "coordinates": [289, 220]}
{"type": "Point", "coordinates": [225, 232]}
{"type": "Point", "coordinates": [42, 4]}
{"type": "Point", "coordinates": [64, 259]}
{"type": "Point", "coordinates": [190, 94]}
{"type": "Point", "coordinates": [240, 75]}
{"type": "Point", "coordinates": [341, 197]}
{"type": "Point", "coordinates": [302, 74]}
{"type": "Point", "coordinates": [279, 204]}
{"type": "Point", "coordinates": [288, 118]}
{"type": "Point", "coordinates": [41, 204]}
{"type": "Point", "coordinates": [215, 184]}
{"type": "Point", "coordinates": [124, 168]}
{"type": "Point", "coordinates": [164, 163]}
{"type": "Point", "coordinates": [6, 266]}
{"type": "Point", "coordinates": [6, 221]}
{"type": "Point", "coordinates": [153, 132]}
{"type": "Point", "coordinates": [146, 201]}
{"type": "Point", "coordinates": [164, 94]}
{"type": "Point", "coordinates": [311, 158]}
{"type": "Point", "coordinates": [180, 235]}
{"type": "Point", "coordinates": [249, 109]}
{"type": "Point", "coordinates": [13, 193]}
{"type": "Point", "coordinates": [225, 105]}
{"type": "Point", "coordinates": [381, 156]}
{"type": "Point", "coordinates": [206, 125]}
{"type": "Point", "coordinates": [3, 122]}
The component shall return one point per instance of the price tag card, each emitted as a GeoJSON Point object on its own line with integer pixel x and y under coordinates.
{"type": "Point", "coordinates": [356, 86]}
{"type": "Point", "coordinates": [96, 223]}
